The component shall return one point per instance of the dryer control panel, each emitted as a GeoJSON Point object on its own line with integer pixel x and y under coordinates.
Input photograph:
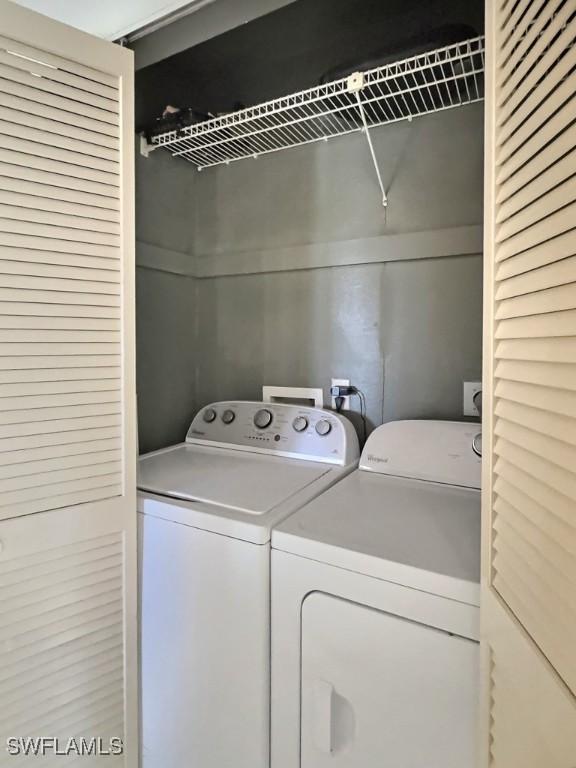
{"type": "Point", "coordinates": [438, 451]}
{"type": "Point", "coordinates": [276, 428]}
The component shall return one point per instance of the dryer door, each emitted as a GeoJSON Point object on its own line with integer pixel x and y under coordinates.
{"type": "Point", "coordinates": [378, 690]}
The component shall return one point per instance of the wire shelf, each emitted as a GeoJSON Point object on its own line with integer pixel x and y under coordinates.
{"type": "Point", "coordinates": [437, 80]}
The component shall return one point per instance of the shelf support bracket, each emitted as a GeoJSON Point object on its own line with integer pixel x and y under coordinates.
{"type": "Point", "coordinates": [372, 150]}
{"type": "Point", "coordinates": [355, 85]}
{"type": "Point", "coordinates": [145, 147]}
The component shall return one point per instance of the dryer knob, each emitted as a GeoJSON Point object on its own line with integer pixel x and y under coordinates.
{"type": "Point", "coordinates": [209, 415]}
{"type": "Point", "coordinates": [323, 427]}
{"type": "Point", "coordinates": [263, 418]}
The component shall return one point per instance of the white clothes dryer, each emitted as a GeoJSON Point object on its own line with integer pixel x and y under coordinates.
{"type": "Point", "coordinates": [206, 508]}
{"type": "Point", "coordinates": [375, 609]}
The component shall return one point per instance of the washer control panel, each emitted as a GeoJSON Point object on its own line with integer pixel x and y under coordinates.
{"type": "Point", "coordinates": [277, 428]}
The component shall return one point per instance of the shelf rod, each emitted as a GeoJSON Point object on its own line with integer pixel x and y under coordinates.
{"type": "Point", "coordinates": [371, 146]}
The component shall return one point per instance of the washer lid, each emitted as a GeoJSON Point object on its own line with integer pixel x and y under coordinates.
{"type": "Point", "coordinates": [420, 534]}
{"type": "Point", "coordinates": [237, 480]}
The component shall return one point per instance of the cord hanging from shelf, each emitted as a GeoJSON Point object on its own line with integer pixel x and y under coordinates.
{"type": "Point", "coordinates": [430, 82]}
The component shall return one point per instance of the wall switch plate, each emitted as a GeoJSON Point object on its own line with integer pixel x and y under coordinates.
{"type": "Point", "coordinates": [341, 383]}
{"type": "Point", "coordinates": [470, 389]}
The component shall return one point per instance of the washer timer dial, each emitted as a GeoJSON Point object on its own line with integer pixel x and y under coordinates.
{"type": "Point", "coordinates": [300, 423]}
{"type": "Point", "coordinates": [323, 427]}
{"type": "Point", "coordinates": [228, 416]}
{"type": "Point", "coordinates": [263, 418]}
{"type": "Point", "coordinates": [209, 415]}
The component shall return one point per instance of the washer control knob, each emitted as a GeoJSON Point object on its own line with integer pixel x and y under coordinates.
{"type": "Point", "coordinates": [300, 423]}
{"type": "Point", "coordinates": [228, 416]}
{"type": "Point", "coordinates": [323, 427]}
{"type": "Point", "coordinates": [263, 418]}
{"type": "Point", "coordinates": [209, 415]}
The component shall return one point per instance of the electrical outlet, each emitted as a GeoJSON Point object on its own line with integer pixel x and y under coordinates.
{"type": "Point", "coordinates": [470, 389]}
{"type": "Point", "coordinates": [341, 383]}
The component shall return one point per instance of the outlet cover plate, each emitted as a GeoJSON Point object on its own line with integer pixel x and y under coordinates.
{"type": "Point", "coordinates": [470, 389]}
{"type": "Point", "coordinates": [341, 383]}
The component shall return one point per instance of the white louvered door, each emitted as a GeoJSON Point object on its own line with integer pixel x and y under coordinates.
{"type": "Point", "coordinates": [67, 392]}
{"type": "Point", "coordinates": [529, 490]}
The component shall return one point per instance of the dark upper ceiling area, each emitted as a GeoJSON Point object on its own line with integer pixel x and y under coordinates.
{"type": "Point", "coordinates": [290, 50]}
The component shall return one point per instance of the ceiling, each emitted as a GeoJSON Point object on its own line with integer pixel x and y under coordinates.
{"type": "Point", "coordinates": [110, 19]}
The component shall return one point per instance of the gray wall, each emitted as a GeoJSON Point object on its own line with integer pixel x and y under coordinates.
{"type": "Point", "coordinates": [165, 300]}
{"type": "Point", "coordinates": [295, 274]}
{"type": "Point", "coordinates": [406, 333]}
{"type": "Point", "coordinates": [207, 22]}
{"type": "Point", "coordinates": [166, 356]}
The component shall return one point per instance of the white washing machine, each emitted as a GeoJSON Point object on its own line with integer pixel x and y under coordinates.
{"type": "Point", "coordinates": [206, 508]}
{"type": "Point", "coordinates": [375, 609]}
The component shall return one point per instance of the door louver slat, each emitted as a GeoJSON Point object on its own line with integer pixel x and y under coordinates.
{"type": "Point", "coordinates": [35, 114]}
{"type": "Point", "coordinates": [550, 252]}
{"type": "Point", "coordinates": [510, 27]}
{"type": "Point", "coordinates": [542, 231]}
{"type": "Point", "coordinates": [525, 39]}
{"type": "Point", "coordinates": [55, 96]}
{"type": "Point", "coordinates": [21, 167]}
{"type": "Point", "coordinates": [555, 299]}
{"type": "Point", "coordinates": [561, 376]}
{"type": "Point", "coordinates": [553, 176]}
{"type": "Point", "coordinates": [54, 80]}
{"type": "Point", "coordinates": [48, 194]}
{"type": "Point", "coordinates": [537, 175]}
{"type": "Point", "coordinates": [88, 75]}
{"type": "Point", "coordinates": [41, 131]}
{"type": "Point", "coordinates": [50, 204]}
{"type": "Point", "coordinates": [67, 271]}
{"type": "Point", "coordinates": [559, 452]}
{"type": "Point", "coordinates": [555, 122]}
{"type": "Point", "coordinates": [519, 97]}
{"type": "Point", "coordinates": [558, 530]}
{"type": "Point", "coordinates": [547, 399]}
{"type": "Point", "coordinates": [555, 558]}
{"type": "Point", "coordinates": [553, 201]}
{"type": "Point", "coordinates": [38, 157]}
{"type": "Point", "coordinates": [559, 350]}
{"type": "Point", "coordinates": [530, 283]}
{"type": "Point", "coordinates": [48, 151]}
{"type": "Point", "coordinates": [559, 323]}
{"type": "Point", "coordinates": [540, 421]}
{"type": "Point", "coordinates": [72, 439]}
{"type": "Point", "coordinates": [89, 227]}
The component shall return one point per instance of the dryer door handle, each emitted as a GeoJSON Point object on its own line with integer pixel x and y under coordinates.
{"type": "Point", "coordinates": [323, 698]}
